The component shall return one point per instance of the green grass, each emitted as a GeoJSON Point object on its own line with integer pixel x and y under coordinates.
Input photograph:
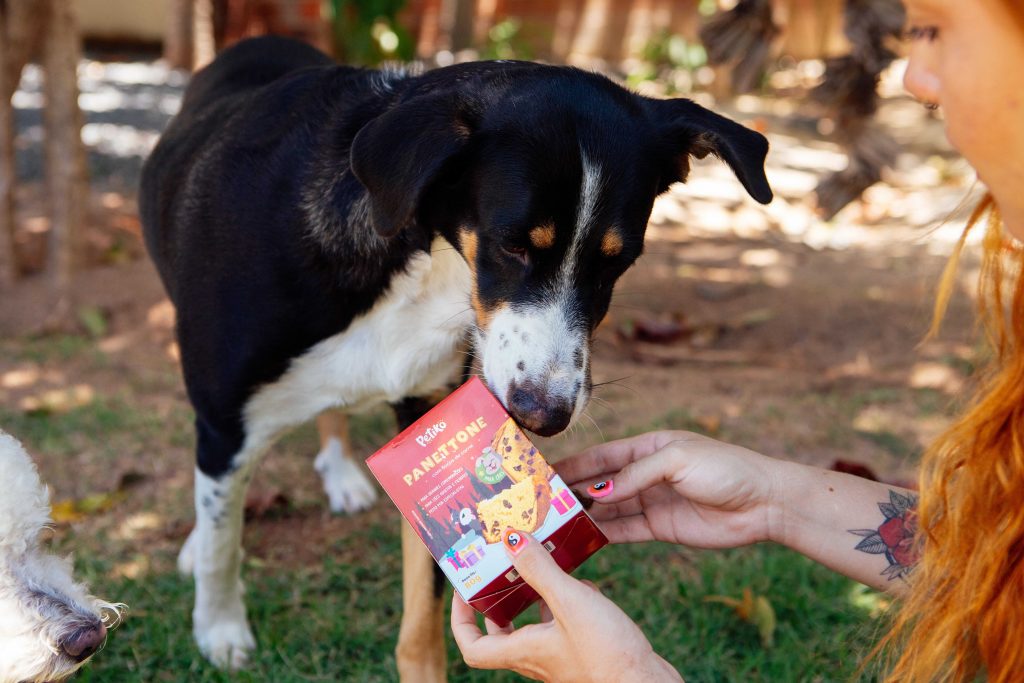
{"type": "Point", "coordinates": [107, 422]}
{"type": "Point", "coordinates": [50, 348]}
{"type": "Point", "coordinates": [337, 621]}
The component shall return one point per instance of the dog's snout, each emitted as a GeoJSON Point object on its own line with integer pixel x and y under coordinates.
{"type": "Point", "coordinates": [81, 644]}
{"type": "Point", "coordinates": [538, 412]}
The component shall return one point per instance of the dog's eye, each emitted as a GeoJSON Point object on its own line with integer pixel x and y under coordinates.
{"type": "Point", "coordinates": [518, 253]}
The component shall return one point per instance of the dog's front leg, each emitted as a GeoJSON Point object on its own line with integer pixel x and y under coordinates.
{"type": "Point", "coordinates": [421, 649]}
{"type": "Point", "coordinates": [213, 553]}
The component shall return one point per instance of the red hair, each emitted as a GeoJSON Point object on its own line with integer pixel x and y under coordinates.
{"type": "Point", "coordinates": [964, 614]}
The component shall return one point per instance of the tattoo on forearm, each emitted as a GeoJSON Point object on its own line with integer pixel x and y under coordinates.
{"type": "Point", "coordinates": [896, 538]}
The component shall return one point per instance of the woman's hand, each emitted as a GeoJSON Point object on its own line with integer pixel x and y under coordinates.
{"type": "Point", "coordinates": [583, 635]}
{"type": "Point", "coordinates": [678, 487]}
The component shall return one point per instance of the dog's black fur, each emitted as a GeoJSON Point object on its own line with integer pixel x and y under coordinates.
{"type": "Point", "coordinates": [289, 192]}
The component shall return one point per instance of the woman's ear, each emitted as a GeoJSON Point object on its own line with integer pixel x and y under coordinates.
{"type": "Point", "coordinates": [397, 155]}
{"type": "Point", "coordinates": [684, 129]}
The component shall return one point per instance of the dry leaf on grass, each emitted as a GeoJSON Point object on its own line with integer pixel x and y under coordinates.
{"type": "Point", "coordinates": [58, 401]}
{"type": "Point", "coordinates": [753, 609]}
{"type": "Point", "coordinates": [69, 510]}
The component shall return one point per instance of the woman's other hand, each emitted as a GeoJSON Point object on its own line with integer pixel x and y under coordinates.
{"type": "Point", "coordinates": [583, 636]}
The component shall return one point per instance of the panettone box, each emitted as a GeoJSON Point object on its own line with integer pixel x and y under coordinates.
{"type": "Point", "coordinates": [465, 472]}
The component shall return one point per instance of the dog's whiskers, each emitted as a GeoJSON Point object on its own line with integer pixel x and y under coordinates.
{"type": "Point", "coordinates": [453, 316]}
{"type": "Point", "coordinates": [606, 404]}
{"type": "Point", "coordinates": [600, 433]}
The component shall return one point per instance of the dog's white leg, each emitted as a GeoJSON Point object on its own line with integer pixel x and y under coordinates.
{"type": "Point", "coordinates": [215, 549]}
{"type": "Point", "coordinates": [421, 652]}
{"type": "Point", "coordinates": [347, 486]}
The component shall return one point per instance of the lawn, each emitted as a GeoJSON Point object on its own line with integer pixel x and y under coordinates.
{"type": "Point", "coordinates": [335, 621]}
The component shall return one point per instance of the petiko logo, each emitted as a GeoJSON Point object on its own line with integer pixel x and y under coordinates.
{"type": "Point", "coordinates": [431, 433]}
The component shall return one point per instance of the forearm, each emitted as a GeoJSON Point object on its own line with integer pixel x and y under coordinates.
{"type": "Point", "coordinates": [857, 527]}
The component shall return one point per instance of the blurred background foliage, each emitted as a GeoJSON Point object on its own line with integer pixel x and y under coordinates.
{"type": "Point", "coordinates": [368, 31]}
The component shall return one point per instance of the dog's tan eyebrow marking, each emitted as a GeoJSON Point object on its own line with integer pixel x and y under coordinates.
{"type": "Point", "coordinates": [543, 236]}
{"type": "Point", "coordinates": [611, 243]}
{"type": "Point", "coordinates": [468, 243]}
{"type": "Point", "coordinates": [468, 246]}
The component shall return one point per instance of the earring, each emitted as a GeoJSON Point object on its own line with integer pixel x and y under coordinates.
{"type": "Point", "coordinates": [931, 106]}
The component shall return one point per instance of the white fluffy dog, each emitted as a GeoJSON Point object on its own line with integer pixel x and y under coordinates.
{"type": "Point", "coordinates": [49, 624]}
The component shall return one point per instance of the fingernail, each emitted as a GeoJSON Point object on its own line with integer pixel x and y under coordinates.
{"type": "Point", "coordinates": [514, 540]}
{"type": "Point", "coordinates": [601, 488]}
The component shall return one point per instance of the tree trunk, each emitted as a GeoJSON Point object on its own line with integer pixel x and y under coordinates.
{"type": "Point", "coordinates": [462, 24]}
{"type": "Point", "coordinates": [590, 43]}
{"type": "Point", "coordinates": [204, 43]}
{"type": "Point", "coordinates": [8, 263]}
{"type": "Point", "coordinates": [65, 154]}
{"type": "Point", "coordinates": [24, 28]}
{"type": "Point", "coordinates": [178, 40]}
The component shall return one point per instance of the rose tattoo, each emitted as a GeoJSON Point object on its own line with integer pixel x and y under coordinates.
{"type": "Point", "coordinates": [896, 538]}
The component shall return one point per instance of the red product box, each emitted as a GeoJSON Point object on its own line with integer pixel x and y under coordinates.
{"type": "Point", "coordinates": [465, 472]}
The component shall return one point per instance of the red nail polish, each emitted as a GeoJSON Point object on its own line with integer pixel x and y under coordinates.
{"type": "Point", "coordinates": [601, 489]}
{"type": "Point", "coordinates": [514, 540]}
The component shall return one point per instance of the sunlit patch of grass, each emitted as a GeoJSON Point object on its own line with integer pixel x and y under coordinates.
{"type": "Point", "coordinates": [872, 602]}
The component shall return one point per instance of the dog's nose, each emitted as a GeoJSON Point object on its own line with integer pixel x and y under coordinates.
{"type": "Point", "coordinates": [81, 644]}
{"type": "Point", "coordinates": [537, 412]}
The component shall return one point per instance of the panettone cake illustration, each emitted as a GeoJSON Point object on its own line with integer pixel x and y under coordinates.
{"type": "Point", "coordinates": [519, 458]}
{"type": "Point", "coordinates": [523, 506]}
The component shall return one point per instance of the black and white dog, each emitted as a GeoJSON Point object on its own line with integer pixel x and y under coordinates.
{"type": "Point", "coordinates": [330, 236]}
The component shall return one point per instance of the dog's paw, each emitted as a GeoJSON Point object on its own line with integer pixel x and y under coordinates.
{"type": "Point", "coordinates": [348, 489]}
{"type": "Point", "coordinates": [227, 644]}
{"type": "Point", "coordinates": [187, 555]}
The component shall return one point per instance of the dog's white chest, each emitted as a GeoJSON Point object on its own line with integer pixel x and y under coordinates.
{"type": "Point", "coordinates": [406, 345]}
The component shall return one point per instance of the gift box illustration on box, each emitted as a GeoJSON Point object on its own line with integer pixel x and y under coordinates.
{"type": "Point", "coordinates": [563, 501]}
{"type": "Point", "coordinates": [467, 552]}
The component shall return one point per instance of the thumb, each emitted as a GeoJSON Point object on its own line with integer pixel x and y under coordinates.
{"type": "Point", "coordinates": [540, 571]}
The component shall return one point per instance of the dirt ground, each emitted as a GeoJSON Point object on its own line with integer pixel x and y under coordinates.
{"type": "Point", "coordinates": [765, 326]}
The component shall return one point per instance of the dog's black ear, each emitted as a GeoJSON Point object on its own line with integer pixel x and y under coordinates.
{"type": "Point", "coordinates": [689, 129]}
{"type": "Point", "coordinates": [396, 155]}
